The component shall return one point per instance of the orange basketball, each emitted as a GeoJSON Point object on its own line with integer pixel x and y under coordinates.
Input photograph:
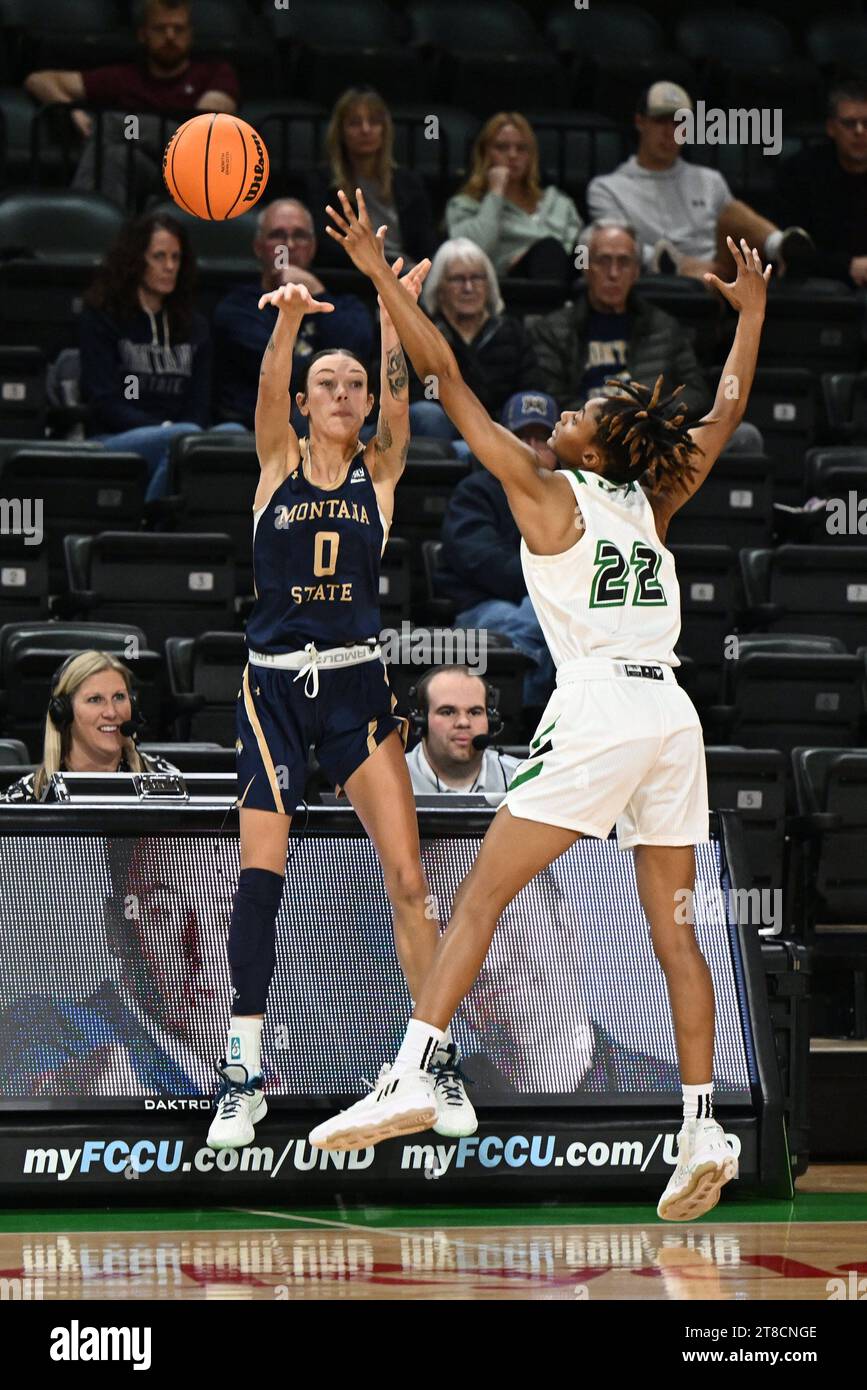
{"type": "Point", "coordinates": [216, 166]}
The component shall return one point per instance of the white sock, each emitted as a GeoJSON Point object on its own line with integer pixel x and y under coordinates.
{"type": "Point", "coordinates": [244, 1045]}
{"type": "Point", "coordinates": [418, 1047]}
{"type": "Point", "coordinates": [773, 242]}
{"type": "Point", "coordinates": [698, 1102]}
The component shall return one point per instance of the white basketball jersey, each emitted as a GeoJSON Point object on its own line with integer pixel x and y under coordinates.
{"type": "Point", "coordinates": [615, 592]}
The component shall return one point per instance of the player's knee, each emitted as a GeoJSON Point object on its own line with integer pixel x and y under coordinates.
{"type": "Point", "coordinates": [407, 886]}
{"type": "Point", "coordinates": [674, 949]}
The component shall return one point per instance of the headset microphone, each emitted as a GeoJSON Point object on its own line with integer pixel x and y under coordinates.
{"type": "Point", "coordinates": [482, 741]}
{"type": "Point", "coordinates": [129, 727]}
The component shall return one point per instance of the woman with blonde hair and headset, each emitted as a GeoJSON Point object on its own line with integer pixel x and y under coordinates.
{"type": "Point", "coordinates": [91, 697]}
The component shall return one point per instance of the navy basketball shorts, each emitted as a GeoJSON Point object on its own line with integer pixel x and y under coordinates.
{"type": "Point", "coordinates": [276, 723]}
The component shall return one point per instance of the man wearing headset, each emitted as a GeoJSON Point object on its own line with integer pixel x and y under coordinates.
{"type": "Point", "coordinates": [455, 716]}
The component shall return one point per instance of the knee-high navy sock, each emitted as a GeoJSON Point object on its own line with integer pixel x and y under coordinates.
{"type": "Point", "coordinates": [253, 938]}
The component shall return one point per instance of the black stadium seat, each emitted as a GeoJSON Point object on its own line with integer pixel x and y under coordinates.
{"type": "Point", "coordinates": [17, 110]}
{"type": "Point", "coordinates": [782, 405]}
{"type": "Point", "coordinates": [214, 477]}
{"type": "Point", "coordinates": [845, 395]}
{"type": "Point", "coordinates": [839, 41]}
{"type": "Point", "coordinates": [617, 51]}
{"type": "Point", "coordinates": [423, 494]}
{"type": "Point", "coordinates": [22, 391]}
{"type": "Point", "coordinates": [831, 841]}
{"type": "Point", "coordinates": [395, 583]}
{"type": "Point", "coordinates": [326, 46]}
{"type": "Point", "coordinates": [752, 782]}
{"type": "Point", "coordinates": [24, 577]}
{"type": "Point", "coordinates": [831, 787]}
{"type": "Point", "coordinates": [172, 585]}
{"type": "Point", "coordinates": [76, 228]}
{"type": "Point", "coordinates": [478, 80]}
{"type": "Point", "coordinates": [575, 146]}
{"type": "Point", "coordinates": [782, 699]}
{"type": "Point", "coordinates": [204, 678]}
{"type": "Point", "coordinates": [732, 506]}
{"type": "Point", "coordinates": [292, 131]}
{"type": "Point", "coordinates": [83, 492]}
{"type": "Point", "coordinates": [486, 26]}
{"type": "Point", "coordinates": [709, 601]}
{"type": "Point", "coordinates": [816, 327]}
{"type": "Point", "coordinates": [803, 588]}
{"type": "Point", "coordinates": [51, 243]}
{"type": "Point", "coordinates": [13, 753]}
{"type": "Point", "coordinates": [732, 35]}
{"type": "Point", "coordinates": [838, 474]}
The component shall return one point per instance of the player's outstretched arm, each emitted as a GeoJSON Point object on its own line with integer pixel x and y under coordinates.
{"type": "Point", "coordinates": [502, 453]}
{"type": "Point", "coordinates": [276, 440]}
{"type": "Point", "coordinates": [748, 294]}
{"type": "Point", "coordinates": [387, 458]}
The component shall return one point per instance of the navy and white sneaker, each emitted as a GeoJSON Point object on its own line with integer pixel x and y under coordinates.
{"type": "Point", "coordinates": [240, 1105]}
{"type": "Point", "coordinates": [456, 1118]}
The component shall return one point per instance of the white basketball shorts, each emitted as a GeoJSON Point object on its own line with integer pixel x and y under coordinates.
{"type": "Point", "coordinates": [619, 744]}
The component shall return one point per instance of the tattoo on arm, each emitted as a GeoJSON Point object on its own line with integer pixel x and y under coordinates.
{"type": "Point", "coordinates": [268, 348]}
{"type": "Point", "coordinates": [395, 370]}
{"type": "Point", "coordinates": [384, 438]}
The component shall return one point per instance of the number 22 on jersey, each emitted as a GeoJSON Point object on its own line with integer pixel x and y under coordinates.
{"type": "Point", "coordinates": [611, 580]}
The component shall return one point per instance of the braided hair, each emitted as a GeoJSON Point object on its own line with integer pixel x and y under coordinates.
{"type": "Point", "coordinates": [645, 438]}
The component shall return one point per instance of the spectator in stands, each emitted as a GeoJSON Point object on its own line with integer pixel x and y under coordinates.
{"type": "Point", "coordinates": [682, 212]}
{"type": "Point", "coordinates": [611, 331]}
{"type": "Point", "coordinates": [91, 696]}
{"type": "Point", "coordinates": [480, 562]}
{"type": "Point", "coordinates": [526, 230]}
{"type": "Point", "coordinates": [359, 147]}
{"type": "Point", "coordinates": [145, 352]}
{"type": "Point", "coordinates": [452, 705]}
{"type": "Point", "coordinates": [166, 80]}
{"type": "Point", "coordinates": [824, 188]}
{"type": "Point", "coordinates": [493, 349]}
{"type": "Point", "coordinates": [285, 247]}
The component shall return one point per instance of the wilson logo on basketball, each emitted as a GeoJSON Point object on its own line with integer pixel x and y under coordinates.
{"type": "Point", "coordinates": [258, 172]}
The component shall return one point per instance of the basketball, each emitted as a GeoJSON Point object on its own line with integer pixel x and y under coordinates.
{"type": "Point", "coordinates": [216, 166]}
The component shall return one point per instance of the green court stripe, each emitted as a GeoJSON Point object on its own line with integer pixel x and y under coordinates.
{"type": "Point", "coordinates": [820, 1207]}
{"type": "Point", "coordinates": [526, 776]}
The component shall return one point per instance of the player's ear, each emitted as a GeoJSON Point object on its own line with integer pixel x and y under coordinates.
{"type": "Point", "coordinates": [301, 402]}
{"type": "Point", "coordinates": [369, 406]}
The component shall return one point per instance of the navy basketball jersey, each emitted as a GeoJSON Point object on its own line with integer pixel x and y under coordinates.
{"type": "Point", "coordinates": [316, 559]}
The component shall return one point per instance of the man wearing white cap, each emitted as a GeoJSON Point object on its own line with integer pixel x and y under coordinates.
{"type": "Point", "coordinates": [683, 212]}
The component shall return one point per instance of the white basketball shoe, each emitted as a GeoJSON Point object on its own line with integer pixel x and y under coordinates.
{"type": "Point", "coordinates": [240, 1105]}
{"type": "Point", "coordinates": [705, 1163]}
{"type": "Point", "coordinates": [398, 1105]}
{"type": "Point", "coordinates": [456, 1118]}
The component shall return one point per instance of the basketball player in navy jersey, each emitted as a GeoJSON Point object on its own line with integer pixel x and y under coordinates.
{"type": "Point", "coordinates": [321, 517]}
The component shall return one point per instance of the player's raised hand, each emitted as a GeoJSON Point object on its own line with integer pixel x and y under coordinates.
{"type": "Point", "coordinates": [748, 291]}
{"type": "Point", "coordinates": [364, 247]}
{"type": "Point", "coordinates": [295, 301]}
{"type": "Point", "coordinates": [412, 281]}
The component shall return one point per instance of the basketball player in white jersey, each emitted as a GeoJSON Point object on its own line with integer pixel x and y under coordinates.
{"type": "Point", "coordinates": [619, 742]}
